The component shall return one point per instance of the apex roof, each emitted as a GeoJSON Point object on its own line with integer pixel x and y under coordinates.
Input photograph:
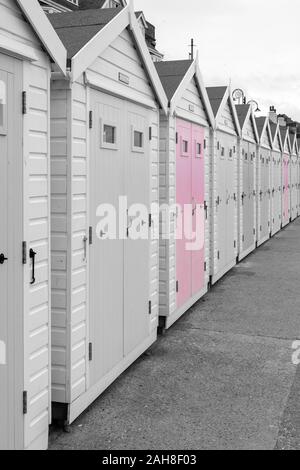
{"type": "Point", "coordinates": [77, 28]}
{"type": "Point", "coordinates": [171, 74]}
{"type": "Point", "coordinates": [216, 96]}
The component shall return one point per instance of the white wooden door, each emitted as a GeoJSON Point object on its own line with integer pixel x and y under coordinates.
{"type": "Point", "coordinates": [231, 201]}
{"type": "Point", "coordinates": [107, 162]}
{"type": "Point", "coordinates": [119, 255]}
{"type": "Point", "coordinates": [11, 312]}
{"type": "Point", "coordinates": [137, 244]}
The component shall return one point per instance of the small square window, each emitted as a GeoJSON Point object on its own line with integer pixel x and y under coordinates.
{"type": "Point", "coordinates": [185, 146]}
{"type": "Point", "coordinates": [3, 107]}
{"type": "Point", "coordinates": [109, 134]}
{"type": "Point", "coordinates": [138, 139]}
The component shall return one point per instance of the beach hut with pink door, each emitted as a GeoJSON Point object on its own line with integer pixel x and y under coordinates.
{"type": "Point", "coordinates": [286, 186]}
{"type": "Point", "coordinates": [185, 143]}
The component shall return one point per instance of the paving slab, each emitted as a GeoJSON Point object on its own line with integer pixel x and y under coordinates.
{"type": "Point", "coordinates": [221, 378]}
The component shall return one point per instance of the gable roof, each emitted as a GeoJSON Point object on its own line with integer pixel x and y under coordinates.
{"type": "Point", "coordinates": [293, 140]}
{"type": "Point", "coordinates": [243, 111]}
{"type": "Point", "coordinates": [77, 28]}
{"type": "Point", "coordinates": [36, 17]}
{"type": "Point", "coordinates": [175, 77]}
{"type": "Point", "coordinates": [171, 74]}
{"type": "Point", "coordinates": [260, 124]}
{"type": "Point", "coordinates": [88, 33]}
{"type": "Point", "coordinates": [284, 133]}
{"type": "Point", "coordinates": [263, 126]}
{"type": "Point", "coordinates": [216, 96]}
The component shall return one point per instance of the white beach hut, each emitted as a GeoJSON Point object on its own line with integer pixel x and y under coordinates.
{"type": "Point", "coordinates": [224, 190]}
{"type": "Point", "coordinates": [104, 145]}
{"type": "Point", "coordinates": [28, 44]}
{"type": "Point", "coordinates": [264, 180]}
{"type": "Point", "coordinates": [247, 164]}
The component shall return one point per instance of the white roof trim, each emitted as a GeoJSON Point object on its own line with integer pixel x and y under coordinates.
{"type": "Point", "coordinates": [228, 97]}
{"type": "Point", "coordinates": [12, 47]}
{"type": "Point", "coordinates": [45, 32]}
{"type": "Point", "coordinates": [88, 54]}
{"type": "Point", "coordinates": [267, 129]}
{"type": "Point", "coordinates": [250, 115]}
{"type": "Point", "coordinates": [92, 49]}
{"type": "Point", "coordinates": [149, 65]}
{"type": "Point", "coordinates": [193, 71]}
{"type": "Point", "coordinates": [277, 136]}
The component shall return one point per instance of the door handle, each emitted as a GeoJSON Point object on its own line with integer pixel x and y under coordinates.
{"type": "Point", "coordinates": [32, 255]}
{"type": "Point", "coordinates": [2, 258]}
{"type": "Point", "coordinates": [85, 240]}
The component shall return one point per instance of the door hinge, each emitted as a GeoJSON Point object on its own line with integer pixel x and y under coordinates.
{"type": "Point", "coordinates": [24, 102]}
{"type": "Point", "coordinates": [150, 307]}
{"type": "Point", "coordinates": [243, 238]}
{"type": "Point", "coordinates": [150, 220]}
{"type": "Point", "coordinates": [218, 255]}
{"type": "Point", "coordinates": [204, 143]}
{"type": "Point", "coordinates": [90, 235]}
{"type": "Point", "coordinates": [176, 137]}
{"type": "Point", "coordinates": [206, 209]}
{"type": "Point", "coordinates": [150, 133]}
{"type": "Point", "coordinates": [91, 119]}
{"type": "Point", "coordinates": [90, 352]}
{"type": "Point", "coordinates": [205, 266]}
{"type": "Point", "coordinates": [254, 231]}
{"type": "Point", "coordinates": [25, 403]}
{"type": "Point", "coordinates": [177, 286]}
{"type": "Point", "coordinates": [234, 244]}
{"type": "Point", "coordinates": [24, 253]}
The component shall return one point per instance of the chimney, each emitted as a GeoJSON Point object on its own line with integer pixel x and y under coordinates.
{"type": "Point", "coordinates": [273, 115]}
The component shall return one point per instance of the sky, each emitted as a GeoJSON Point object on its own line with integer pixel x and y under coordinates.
{"type": "Point", "coordinates": [252, 44]}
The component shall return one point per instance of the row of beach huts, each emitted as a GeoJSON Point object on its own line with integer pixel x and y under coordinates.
{"type": "Point", "coordinates": [87, 117]}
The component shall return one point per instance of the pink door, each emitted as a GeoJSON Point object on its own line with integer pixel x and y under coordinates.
{"type": "Point", "coordinates": [184, 198]}
{"type": "Point", "coordinates": [190, 222]}
{"type": "Point", "coordinates": [198, 195]}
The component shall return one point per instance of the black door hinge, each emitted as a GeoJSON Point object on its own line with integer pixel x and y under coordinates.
{"type": "Point", "coordinates": [25, 403]}
{"type": "Point", "coordinates": [205, 266]}
{"type": "Point", "coordinates": [176, 137]}
{"type": "Point", "coordinates": [150, 133]}
{"type": "Point", "coordinates": [204, 143]}
{"type": "Point", "coordinates": [24, 102]}
{"type": "Point", "coordinates": [24, 253]}
{"type": "Point", "coordinates": [177, 286]}
{"type": "Point", "coordinates": [254, 231]}
{"type": "Point", "coordinates": [206, 209]}
{"type": "Point", "coordinates": [91, 119]}
{"type": "Point", "coordinates": [234, 244]}
{"type": "Point", "coordinates": [218, 255]}
{"type": "Point", "coordinates": [90, 235]}
{"type": "Point", "coordinates": [90, 352]}
{"type": "Point", "coordinates": [150, 220]}
{"type": "Point", "coordinates": [150, 307]}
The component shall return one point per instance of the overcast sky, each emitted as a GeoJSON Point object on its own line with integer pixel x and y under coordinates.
{"type": "Point", "coordinates": [253, 43]}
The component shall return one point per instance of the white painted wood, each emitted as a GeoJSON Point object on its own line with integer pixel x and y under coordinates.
{"type": "Point", "coordinates": [29, 204]}
{"type": "Point", "coordinates": [45, 32]}
{"type": "Point", "coordinates": [75, 381]}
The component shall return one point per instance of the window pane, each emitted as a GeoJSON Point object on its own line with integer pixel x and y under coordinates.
{"type": "Point", "coordinates": [2, 102]}
{"type": "Point", "coordinates": [109, 134]}
{"type": "Point", "coordinates": [138, 139]}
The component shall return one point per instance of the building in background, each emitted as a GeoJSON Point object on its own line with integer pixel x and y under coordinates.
{"type": "Point", "coordinates": [62, 6]}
